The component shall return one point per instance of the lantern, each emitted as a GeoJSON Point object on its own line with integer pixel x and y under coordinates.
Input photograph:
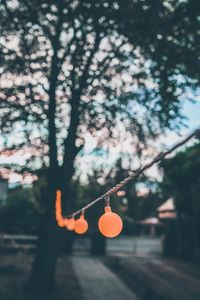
{"type": "Point", "coordinates": [70, 224]}
{"type": "Point", "coordinates": [81, 225]}
{"type": "Point", "coordinates": [110, 224]}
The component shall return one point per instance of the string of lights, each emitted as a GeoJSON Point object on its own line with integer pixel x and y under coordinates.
{"type": "Point", "coordinates": [110, 224]}
{"type": "Point", "coordinates": [136, 173]}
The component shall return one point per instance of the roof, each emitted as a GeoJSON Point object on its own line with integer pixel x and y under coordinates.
{"type": "Point", "coordinates": [167, 206]}
{"type": "Point", "coordinates": [150, 221]}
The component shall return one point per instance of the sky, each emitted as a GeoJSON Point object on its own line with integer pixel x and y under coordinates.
{"type": "Point", "coordinates": [192, 111]}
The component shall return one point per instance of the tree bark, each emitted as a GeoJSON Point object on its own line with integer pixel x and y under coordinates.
{"type": "Point", "coordinates": [43, 268]}
{"type": "Point", "coordinates": [44, 265]}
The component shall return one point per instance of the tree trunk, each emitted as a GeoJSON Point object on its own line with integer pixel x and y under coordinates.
{"type": "Point", "coordinates": [43, 268]}
{"type": "Point", "coordinates": [98, 244]}
{"type": "Point", "coordinates": [44, 265]}
{"type": "Point", "coordinates": [52, 240]}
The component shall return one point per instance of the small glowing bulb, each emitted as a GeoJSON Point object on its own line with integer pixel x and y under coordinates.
{"type": "Point", "coordinates": [81, 225]}
{"type": "Point", "coordinates": [61, 222]}
{"type": "Point", "coordinates": [70, 224]}
{"type": "Point", "coordinates": [58, 209]}
{"type": "Point", "coordinates": [110, 224]}
{"type": "Point", "coordinates": [65, 222]}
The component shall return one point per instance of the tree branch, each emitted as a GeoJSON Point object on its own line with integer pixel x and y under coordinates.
{"type": "Point", "coordinates": [70, 149]}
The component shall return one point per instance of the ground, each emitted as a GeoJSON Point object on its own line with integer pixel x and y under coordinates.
{"type": "Point", "coordinates": [154, 278]}
{"type": "Point", "coordinates": [99, 282]}
{"type": "Point", "coordinates": [113, 278]}
{"type": "Point", "coordinates": [14, 270]}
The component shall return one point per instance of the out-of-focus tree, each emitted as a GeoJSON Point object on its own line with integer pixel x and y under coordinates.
{"type": "Point", "coordinates": [182, 181]}
{"type": "Point", "coordinates": [20, 213]}
{"type": "Point", "coordinates": [24, 207]}
{"type": "Point", "coordinates": [69, 67]}
{"type": "Point", "coordinates": [167, 36]}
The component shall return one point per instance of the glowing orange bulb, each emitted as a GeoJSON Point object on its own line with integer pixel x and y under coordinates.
{"type": "Point", "coordinates": [58, 194]}
{"type": "Point", "coordinates": [110, 224]}
{"type": "Point", "coordinates": [61, 222]}
{"type": "Point", "coordinates": [66, 222]}
{"type": "Point", "coordinates": [70, 224]}
{"type": "Point", "coordinates": [81, 225]}
{"type": "Point", "coordinates": [59, 209]}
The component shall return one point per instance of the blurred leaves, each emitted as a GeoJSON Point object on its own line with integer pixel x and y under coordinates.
{"type": "Point", "coordinates": [127, 62]}
{"type": "Point", "coordinates": [182, 180]}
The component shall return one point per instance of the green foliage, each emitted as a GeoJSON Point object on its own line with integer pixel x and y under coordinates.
{"type": "Point", "coordinates": [20, 214]}
{"type": "Point", "coordinates": [169, 35]}
{"type": "Point", "coordinates": [182, 181]}
{"type": "Point", "coordinates": [24, 207]}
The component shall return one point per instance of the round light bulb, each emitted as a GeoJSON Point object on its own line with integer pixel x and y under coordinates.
{"type": "Point", "coordinates": [110, 224]}
{"type": "Point", "coordinates": [81, 225]}
{"type": "Point", "coordinates": [71, 224]}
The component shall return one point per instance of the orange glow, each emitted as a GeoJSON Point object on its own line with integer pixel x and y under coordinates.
{"type": "Point", "coordinates": [110, 224]}
{"type": "Point", "coordinates": [58, 208]}
{"type": "Point", "coordinates": [81, 225]}
{"type": "Point", "coordinates": [70, 224]}
{"type": "Point", "coordinates": [66, 222]}
{"type": "Point", "coordinates": [167, 215]}
{"type": "Point", "coordinates": [61, 222]}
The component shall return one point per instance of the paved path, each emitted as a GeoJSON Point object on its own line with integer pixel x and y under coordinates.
{"type": "Point", "coordinates": [98, 282]}
{"type": "Point", "coordinates": [162, 279]}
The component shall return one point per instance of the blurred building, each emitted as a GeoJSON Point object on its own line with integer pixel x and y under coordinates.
{"type": "Point", "coordinates": [150, 226]}
{"type": "Point", "coordinates": [168, 216]}
{"type": "Point", "coordinates": [154, 226]}
{"type": "Point", "coordinates": [167, 210]}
